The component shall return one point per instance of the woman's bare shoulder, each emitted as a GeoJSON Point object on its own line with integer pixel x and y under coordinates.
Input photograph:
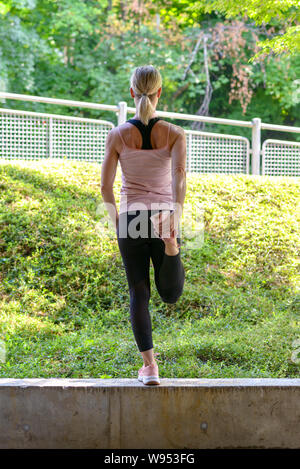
{"type": "Point", "coordinates": [115, 136]}
{"type": "Point", "coordinates": [175, 132]}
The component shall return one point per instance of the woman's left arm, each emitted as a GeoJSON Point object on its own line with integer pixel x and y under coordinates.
{"type": "Point", "coordinates": [108, 174]}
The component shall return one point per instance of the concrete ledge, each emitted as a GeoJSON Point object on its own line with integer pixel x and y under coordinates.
{"type": "Point", "coordinates": [123, 413]}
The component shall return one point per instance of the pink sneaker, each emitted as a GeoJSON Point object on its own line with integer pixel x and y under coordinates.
{"type": "Point", "coordinates": [149, 374]}
{"type": "Point", "coordinates": [140, 373]}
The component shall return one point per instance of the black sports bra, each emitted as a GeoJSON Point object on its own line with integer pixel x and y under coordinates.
{"type": "Point", "coordinates": [145, 130]}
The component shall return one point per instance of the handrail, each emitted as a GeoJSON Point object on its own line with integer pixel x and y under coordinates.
{"type": "Point", "coordinates": [63, 102]}
{"type": "Point", "coordinates": [44, 114]}
{"type": "Point", "coordinates": [174, 115]}
{"type": "Point", "coordinates": [280, 128]}
{"type": "Point", "coordinates": [195, 117]}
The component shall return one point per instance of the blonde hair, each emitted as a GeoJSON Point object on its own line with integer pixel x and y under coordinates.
{"type": "Point", "coordinates": [145, 82]}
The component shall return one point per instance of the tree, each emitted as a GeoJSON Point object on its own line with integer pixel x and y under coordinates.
{"type": "Point", "coordinates": [87, 50]}
{"type": "Point", "coordinates": [285, 15]}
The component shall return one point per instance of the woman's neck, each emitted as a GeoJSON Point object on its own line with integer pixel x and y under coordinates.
{"type": "Point", "coordinates": [137, 117]}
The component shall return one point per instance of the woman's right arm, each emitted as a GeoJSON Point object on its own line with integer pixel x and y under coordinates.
{"type": "Point", "coordinates": [178, 155]}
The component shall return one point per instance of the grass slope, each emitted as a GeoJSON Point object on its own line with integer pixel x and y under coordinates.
{"type": "Point", "coordinates": [64, 298]}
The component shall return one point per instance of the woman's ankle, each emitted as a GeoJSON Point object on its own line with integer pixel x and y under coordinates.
{"type": "Point", "coordinates": [150, 363]}
{"type": "Point", "coordinates": [171, 249]}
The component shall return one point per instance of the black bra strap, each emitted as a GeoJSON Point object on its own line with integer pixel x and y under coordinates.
{"type": "Point", "coordinates": [145, 130]}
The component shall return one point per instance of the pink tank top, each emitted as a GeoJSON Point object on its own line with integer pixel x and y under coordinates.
{"type": "Point", "coordinates": [146, 178]}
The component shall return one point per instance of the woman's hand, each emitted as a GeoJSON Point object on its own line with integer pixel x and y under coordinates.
{"type": "Point", "coordinates": [168, 225]}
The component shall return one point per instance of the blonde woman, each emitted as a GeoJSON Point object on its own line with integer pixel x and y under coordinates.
{"type": "Point", "coordinates": [152, 155]}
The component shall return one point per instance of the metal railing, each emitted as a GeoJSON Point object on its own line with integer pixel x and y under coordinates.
{"type": "Point", "coordinates": [280, 158]}
{"type": "Point", "coordinates": [70, 137]}
{"type": "Point", "coordinates": [32, 135]}
{"type": "Point", "coordinates": [217, 153]}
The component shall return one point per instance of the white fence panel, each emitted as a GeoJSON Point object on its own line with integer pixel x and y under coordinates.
{"type": "Point", "coordinates": [280, 158]}
{"type": "Point", "coordinates": [217, 153]}
{"type": "Point", "coordinates": [31, 136]}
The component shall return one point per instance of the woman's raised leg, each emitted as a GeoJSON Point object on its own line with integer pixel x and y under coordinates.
{"type": "Point", "coordinates": [168, 268]}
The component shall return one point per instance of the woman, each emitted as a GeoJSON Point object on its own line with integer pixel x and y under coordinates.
{"type": "Point", "coordinates": [152, 155]}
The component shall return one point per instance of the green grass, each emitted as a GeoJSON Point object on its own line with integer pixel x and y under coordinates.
{"type": "Point", "coordinates": [64, 294]}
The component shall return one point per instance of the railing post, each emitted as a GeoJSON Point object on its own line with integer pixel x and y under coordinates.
{"type": "Point", "coordinates": [256, 127]}
{"type": "Point", "coordinates": [122, 112]}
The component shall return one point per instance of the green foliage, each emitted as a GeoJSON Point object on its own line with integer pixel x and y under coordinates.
{"type": "Point", "coordinates": [279, 12]}
{"type": "Point", "coordinates": [20, 49]}
{"type": "Point", "coordinates": [86, 51]}
{"type": "Point", "coordinates": [64, 295]}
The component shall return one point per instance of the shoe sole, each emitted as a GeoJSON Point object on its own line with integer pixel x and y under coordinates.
{"type": "Point", "coordinates": [149, 379]}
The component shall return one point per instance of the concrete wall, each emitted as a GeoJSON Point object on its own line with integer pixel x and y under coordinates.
{"type": "Point", "coordinates": [179, 413]}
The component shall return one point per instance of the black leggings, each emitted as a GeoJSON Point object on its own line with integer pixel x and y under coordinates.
{"type": "Point", "coordinates": [168, 270]}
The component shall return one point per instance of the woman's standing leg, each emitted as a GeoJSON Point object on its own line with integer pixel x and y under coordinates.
{"type": "Point", "coordinates": [136, 259]}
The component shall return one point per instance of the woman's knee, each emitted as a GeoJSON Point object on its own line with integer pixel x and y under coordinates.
{"type": "Point", "coordinates": [170, 300]}
{"type": "Point", "coordinates": [140, 291]}
{"type": "Point", "coordinates": [171, 296]}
